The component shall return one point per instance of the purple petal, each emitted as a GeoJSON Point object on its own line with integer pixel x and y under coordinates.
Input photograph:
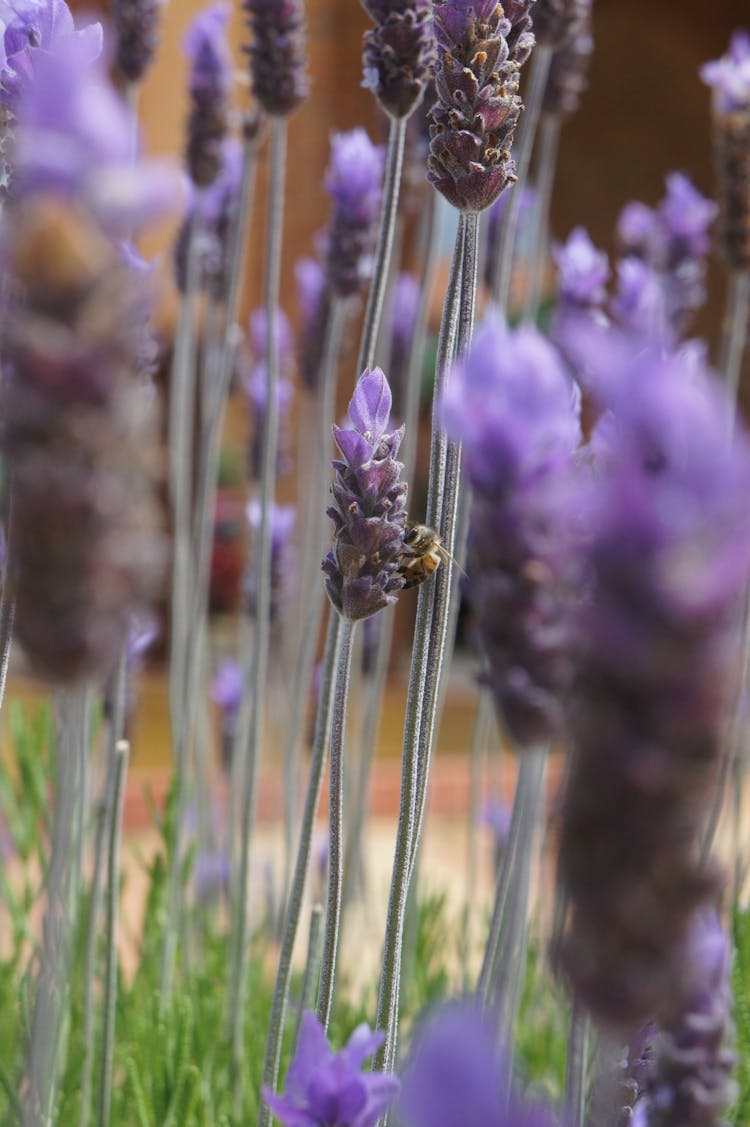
{"type": "Point", "coordinates": [370, 406]}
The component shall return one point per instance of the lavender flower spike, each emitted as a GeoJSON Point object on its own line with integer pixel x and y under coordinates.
{"type": "Point", "coordinates": [473, 121]}
{"type": "Point", "coordinates": [370, 505]}
{"type": "Point", "coordinates": [690, 1082]}
{"type": "Point", "coordinates": [667, 559]}
{"type": "Point", "coordinates": [513, 405]}
{"type": "Point", "coordinates": [327, 1089]}
{"type": "Point", "coordinates": [135, 26]}
{"type": "Point", "coordinates": [729, 78]}
{"type": "Point", "coordinates": [354, 182]}
{"type": "Point", "coordinates": [399, 53]}
{"type": "Point", "coordinates": [207, 49]}
{"type": "Point", "coordinates": [277, 59]}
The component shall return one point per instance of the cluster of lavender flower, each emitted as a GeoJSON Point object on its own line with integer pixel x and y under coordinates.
{"type": "Point", "coordinates": [598, 469]}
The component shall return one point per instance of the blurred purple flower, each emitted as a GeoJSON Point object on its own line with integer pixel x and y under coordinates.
{"type": "Point", "coordinates": [277, 57]}
{"type": "Point", "coordinates": [689, 1084]}
{"type": "Point", "coordinates": [399, 53]}
{"type": "Point", "coordinates": [282, 518]}
{"type": "Point", "coordinates": [327, 1089]}
{"type": "Point", "coordinates": [218, 205]}
{"type": "Point", "coordinates": [369, 513]}
{"type": "Point", "coordinates": [473, 121]}
{"type": "Point", "coordinates": [456, 1076]}
{"type": "Point", "coordinates": [33, 29]}
{"type": "Point", "coordinates": [314, 302]}
{"type": "Point", "coordinates": [512, 404]}
{"type": "Point", "coordinates": [667, 558]}
{"type": "Point", "coordinates": [402, 318]}
{"type": "Point", "coordinates": [259, 336]}
{"type": "Point", "coordinates": [74, 137]}
{"type": "Point", "coordinates": [354, 183]}
{"type": "Point", "coordinates": [226, 687]}
{"type": "Point", "coordinates": [568, 70]}
{"type": "Point", "coordinates": [638, 304]}
{"type": "Point", "coordinates": [135, 24]}
{"type": "Point", "coordinates": [555, 21]}
{"type": "Point", "coordinates": [671, 242]}
{"type": "Point", "coordinates": [254, 383]}
{"type": "Point", "coordinates": [210, 875]}
{"type": "Point", "coordinates": [729, 76]}
{"type": "Point", "coordinates": [207, 49]}
{"type": "Point", "coordinates": [583, 272]}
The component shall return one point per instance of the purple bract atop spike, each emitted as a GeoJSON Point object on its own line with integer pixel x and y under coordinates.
{"type": "Point", "coordinates": [369, 512]}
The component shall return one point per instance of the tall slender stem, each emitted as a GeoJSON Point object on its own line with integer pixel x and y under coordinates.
{"type": "Point", "coordinates": [479, 736]}
{"type": "Point", "coordinates": [425, 626]}
{"type": "Point", "coordinates": [122, 753]}
{"type": "Point", "coordinates": [103, 833]}
{"type": "Point", "coordinates": [529, 794]}
{"type": "Point", "coordinates": [251, 724]}
{"type": "Point", "coordinates": [375, 689]}
{"type": "Point", "coordinates": [503, 265]}
{"type": "Point", "coordinates": [446, 522]}
{"type": "Point", "coordinates": [335, 824]}
{"type": "Point", "coordinates": [734, 333]}
{"type": "Point", "coordinates": [510, 957]}
{"type": "Point", "coordinates": [63, 888]}
{"type": "Point", "coordinates": [549, 140]}
{"type": "Point", "coordinates": [313, 962]}
{"type": "Point", "coordinates": [576, 1067]}
{"type": "Point", "coordinates": [302, 864]}
{"type": "Point", "coordinates": [310, 573]}
{"type": "Point", "coordinates": [391, 189]}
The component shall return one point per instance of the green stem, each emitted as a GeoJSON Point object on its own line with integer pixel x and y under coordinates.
{"type": "Point", "coordinates": [251, 723]}
{"type": "Point", "coordinates": [391, 189]}
{"type": "Point", "coordinates": [302, 864]}
{"type": "Point", "coordinates": [503, 265]}
{"type": "Point", "coordinates": [46, 1047]}
{"type": "Point", "coordinates": [312, 965]}
{"type": "Point", "coordinates": [335, 824]}
{"type": "Point", "coordinates": [122, 753]}
{"type": "Point", "coordinates": [576, 1067]}
{"type": "Point", "coordinates": [549, 139]}
{"type": "Point", "coordinates": [103, 832]}
{"type": "Point", "coordinates": [310, 572]}
{"type": "Point", "coordinates": [387, 1012]}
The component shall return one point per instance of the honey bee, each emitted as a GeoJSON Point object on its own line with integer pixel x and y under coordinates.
{"type": "Point", "coordinates": [422, 554]}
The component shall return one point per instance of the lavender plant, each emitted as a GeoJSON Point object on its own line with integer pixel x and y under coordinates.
{"type": "Point", "coordinates": [658, 656]}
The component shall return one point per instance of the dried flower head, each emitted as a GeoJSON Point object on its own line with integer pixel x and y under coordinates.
{"type": "Point", "coordinates": [75, 431]}
{"type": "Point", "coordinates": [729, 79]}
{"type": "Point", "coordinates": [667, 557]}
{"type": "Point", "coordinates": [277, 56]}
{"type": "Point", "coordinates": [477, 108]}
{"type": "Point", "coordinates": [399, 53]}
{"type": "Point", "coordinates": [512, 404]}
{"type": "Point", "coordinates": [327, 1089]}
{"type": "Point", "coordinates": [369, 513]}
{"type": "Point", "coordinates": [207, 49]}
{"type": "Point", "coordinates": [135, 25]}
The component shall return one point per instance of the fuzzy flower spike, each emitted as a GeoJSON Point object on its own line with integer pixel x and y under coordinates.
{"type": "Point", "coordinates": [667, 557]}
{"type": "Point", "coordinates": [473, 121]}
{"type": "Point", "coordinates": [513, 405]}
{"type": "Point", "coordinates": [370, 505]}
{"type": "Point", "coordinates": [729, 78]}
{"type": "Point", "coordinates": [399, 53]}
{"type": "Point", "coordinates": [327, 1089]}
{"type": "Point", "coordinates": [277, 58]}
{"type": "Point", "coordinates": [210, 81]}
